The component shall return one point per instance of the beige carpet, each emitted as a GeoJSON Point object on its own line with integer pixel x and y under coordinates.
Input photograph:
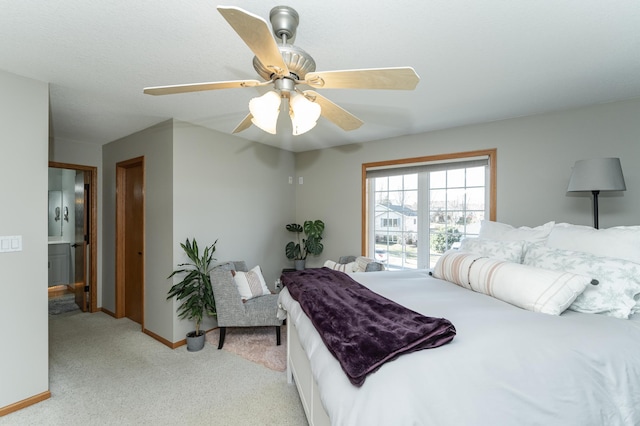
{"type": "Point", "coordinates": [105, 371]}
{"type": "Point", "coordinates": [256, 344]}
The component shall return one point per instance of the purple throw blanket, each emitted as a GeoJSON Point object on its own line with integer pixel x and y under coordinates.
{"type": "Point", "coordinates": [362, 329]}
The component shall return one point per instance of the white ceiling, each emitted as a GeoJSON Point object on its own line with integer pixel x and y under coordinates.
{"type": "Point", "coordinates": [479, 61]}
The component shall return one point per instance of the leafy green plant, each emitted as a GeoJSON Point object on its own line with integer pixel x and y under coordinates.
{"type": "Point", "coordinates": [311, 244]}
{"type": "Point", "coordinates": [442, 242]}
{"type": "Point", "coordinates": [194, 291]}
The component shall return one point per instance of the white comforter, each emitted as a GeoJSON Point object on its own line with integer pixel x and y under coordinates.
{"type": "Point", "coordinates": [506, 365]}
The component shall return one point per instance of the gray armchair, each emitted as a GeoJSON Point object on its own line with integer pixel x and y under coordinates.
{"type": "Point", "coordinates": [232, 312]}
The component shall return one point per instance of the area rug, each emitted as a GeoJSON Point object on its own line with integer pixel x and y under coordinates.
{"type": "Point", "coordinates": [256, 344]}
{"type": "Point", "coordinates": [62, 304]}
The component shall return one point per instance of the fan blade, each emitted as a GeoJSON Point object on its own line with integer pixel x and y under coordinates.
{"type": "Point", "coordinates": [404, 78]}
{"type": "Point", "coordinates": [244, 124]}
{"type": "Point", "coordinates": [197, 87]}
{"type": "Point", "coordinates": [333, 112]}
{"type": "Point", "coordinates": [256, 34]}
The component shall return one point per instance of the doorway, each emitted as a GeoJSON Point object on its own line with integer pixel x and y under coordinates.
{"type": "Point", "coordinates": [130, 239]}
{"type": "Point", "coordinates": [81, 206]}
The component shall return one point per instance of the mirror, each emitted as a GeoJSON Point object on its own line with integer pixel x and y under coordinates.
{"type": "Point", "coordinates": [55, 213]}
{"type": "Point", "coordinates": [61, 217]}
{"type": "Point", "coordinates": [61, 203]}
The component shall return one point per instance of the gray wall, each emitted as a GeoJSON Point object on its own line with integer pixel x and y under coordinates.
{"type": "Point", "coordinates": [24, 119]}
{"type": "Point", "coordinates": [235, 191]}
{"type": "Point", "coordinates": [155, 144]}
{"type": "Point", "coordinates": [204, 184]}
{"type": "Point", "coordinates": [535, 157]}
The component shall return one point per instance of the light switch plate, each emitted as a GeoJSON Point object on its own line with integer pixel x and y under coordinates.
{"type": "Point", "coordinates": [10, 243]}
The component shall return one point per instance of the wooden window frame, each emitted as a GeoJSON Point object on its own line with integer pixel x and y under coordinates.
{"type": "Point", "coordinates": [492, 154]}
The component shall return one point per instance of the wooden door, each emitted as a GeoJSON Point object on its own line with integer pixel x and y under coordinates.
{"type": "Point", "coordinates": [80, 244]}
{"type": "Point", "coordinates": [130, 239]}
{"type": "Point", "coordinates": [90, 225]}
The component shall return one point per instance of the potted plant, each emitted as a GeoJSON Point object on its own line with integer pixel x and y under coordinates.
{"type": "Point", "coordinates": [312, 243]}
{"type": "Point", "coordinates": [194, 292]}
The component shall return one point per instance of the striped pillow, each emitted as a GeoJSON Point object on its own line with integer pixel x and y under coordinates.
{"type": "Point", "coordinates": [250, 284]}
{"type": "Point", "coordinates": [618, 291]}
{"type": "Point", "coordinates": [534, 289]}
{"type": "Point", "coordinates": [342, 267]}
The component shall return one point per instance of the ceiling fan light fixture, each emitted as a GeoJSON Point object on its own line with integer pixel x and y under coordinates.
{"type": "Point", "coordinates": [304, 113]}
{"type": "Point", "coordinates": [265, 110]}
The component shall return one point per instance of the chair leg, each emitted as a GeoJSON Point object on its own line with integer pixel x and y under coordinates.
{"type": "Point", "coordinates": [223, 332]}
{"type": "Point", "coordinates": [277, 335]}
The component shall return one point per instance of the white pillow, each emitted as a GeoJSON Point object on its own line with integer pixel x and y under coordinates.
{"type": "Point", "coordinates": [343, 267]}
{"type": "Point", "coordinates": [621, 242]}
{"type": "Point", "coordinates": [534, 289]}
{"type": "Point", "coordinates": [504, 232]}
{"type": "Point", "coordinates": [250, 284]}
{"type": "Point", "coordinates": [510, 251]}
{"type": "Point", "coordinates": [619, 279]}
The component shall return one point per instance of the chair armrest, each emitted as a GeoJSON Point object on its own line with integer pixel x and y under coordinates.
{"type": "Point", "coordinates": [261, 310]}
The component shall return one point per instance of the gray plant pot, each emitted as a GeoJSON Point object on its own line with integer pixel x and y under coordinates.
{"type": "Point", "coordinates": [299, 264]}
{"type": "Point", "coordinates": [195, 343]}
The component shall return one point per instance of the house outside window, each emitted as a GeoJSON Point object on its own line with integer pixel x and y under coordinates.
{"type": "Point", "coordinates": [416, 209]}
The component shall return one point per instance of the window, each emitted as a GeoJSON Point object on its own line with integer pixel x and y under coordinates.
{"type": "Point", "coordinates": [416, 209]}
{"type": "Point", "coordinates": [387, 223]}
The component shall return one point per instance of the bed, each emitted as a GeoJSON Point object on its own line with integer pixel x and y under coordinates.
{"type": "Point", "coordinates": [506, 365]}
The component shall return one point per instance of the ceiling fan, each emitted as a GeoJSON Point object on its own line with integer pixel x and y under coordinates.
{"type": "Point", "coordinates": [286, 67]}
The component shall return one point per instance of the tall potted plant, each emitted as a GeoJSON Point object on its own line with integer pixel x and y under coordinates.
{"type": "Point", "coordinates": [194, 292]}
{"type": "Point", "coordinates": [311, 243]}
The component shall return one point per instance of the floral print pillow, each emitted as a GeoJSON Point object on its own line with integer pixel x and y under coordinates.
{"type": "Point", "coordinates": [617, 293]}
{"type": "Point", "coordinates": [509, 251]}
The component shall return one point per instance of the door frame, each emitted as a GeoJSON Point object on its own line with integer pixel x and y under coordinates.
{"type": "Point", "coordinates": [120, 233]}
{"type": "Point", "coordinates": [92, 173]}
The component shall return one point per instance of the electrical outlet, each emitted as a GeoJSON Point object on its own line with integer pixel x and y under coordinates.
{"type": "Point", "coordinates": [290, 180]}
{"type": "Point", "coordinates": [300, 180]}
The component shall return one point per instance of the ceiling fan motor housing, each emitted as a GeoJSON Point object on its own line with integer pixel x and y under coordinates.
{"type": "Point", "coordinates": [297, 60]}
{"type": "Point", "coordinates": [284, 22]}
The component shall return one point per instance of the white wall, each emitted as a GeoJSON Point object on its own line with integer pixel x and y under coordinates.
{"type": "Point", "coordinates": [24, 119]}
{"type": "Point", "coordinates": [235, 191]}
{"type": "Point", "coordinates": [68, 151]}
{"type": "Point", "coordinates": [155, 144]}
{"type": "Point", "coordinates": [535, 157]}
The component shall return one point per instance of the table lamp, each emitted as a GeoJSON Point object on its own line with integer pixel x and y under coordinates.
{"type": "Point", "coordinates": [595, 175]}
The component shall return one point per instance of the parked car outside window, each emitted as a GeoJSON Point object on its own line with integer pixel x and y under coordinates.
{"type": "Point", "coordinates": [382, 256]}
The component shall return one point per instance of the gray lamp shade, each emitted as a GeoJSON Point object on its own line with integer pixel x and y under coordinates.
{"type": "Point", "coordinates": [598, 174]}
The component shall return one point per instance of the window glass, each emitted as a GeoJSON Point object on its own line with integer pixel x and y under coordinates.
{"type": "Point", "coordinates": [416, 216]}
